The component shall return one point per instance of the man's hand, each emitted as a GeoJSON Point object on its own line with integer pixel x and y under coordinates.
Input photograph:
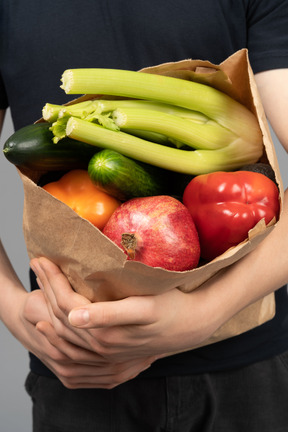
{"type": "Point", "coordinates": [138, 327]}
{"type": "Point", "coordinates": [76, 367]}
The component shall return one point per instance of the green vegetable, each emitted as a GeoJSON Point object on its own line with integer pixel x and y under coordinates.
{"type": "Point", "coordinates": [187, 94]}
{"type": "Point", "coordinates": [125, 178]}
{"type": "Point", "coordinates": [178, 160]}
{"type": "Point", "coordinates": [225, 134]}
{"type": "Point", "coordinates": [152, 136]}
{"type": "Point", "coordinates": [100, 110]}
{"type": "Point", "coordinates": [32, 147]}
{"type": "Point", "coordinates": [196, 135]}
{"type": "Point", "coordinates": [88, 109]}
{"type": "Point", "coordinates": [51, 112]}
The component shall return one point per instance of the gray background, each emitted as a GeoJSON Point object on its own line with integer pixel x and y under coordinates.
{"type": "Point", "coordinates": [15, 406]}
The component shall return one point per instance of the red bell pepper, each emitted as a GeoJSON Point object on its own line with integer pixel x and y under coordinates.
{"type": "Point", "coordinates": [226, 205]}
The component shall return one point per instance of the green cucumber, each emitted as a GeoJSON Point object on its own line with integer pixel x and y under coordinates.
{"type": "Point", "coordinates": [125, 178]}
{"type": "Point", "coordinates": [32, 147]}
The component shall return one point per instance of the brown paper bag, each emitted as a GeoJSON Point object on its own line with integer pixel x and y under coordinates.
{"type": "Point", "coordinates": [97, 268]}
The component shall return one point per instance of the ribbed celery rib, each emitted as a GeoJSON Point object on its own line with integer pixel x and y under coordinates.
{"type": "Point", "coordinates": [195, 96]}
{"type": "Point", "coordinates": [208, 135]}
{"type": "Point", "coordinates": [111, 105]}
{"type": "Point", "coordinates": [189, 162]}
{"type": "Point", "coordinates": [50, 111]}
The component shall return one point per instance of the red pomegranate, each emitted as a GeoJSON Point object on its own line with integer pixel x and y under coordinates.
{"type": "Point", "coordinates": [158, 231]}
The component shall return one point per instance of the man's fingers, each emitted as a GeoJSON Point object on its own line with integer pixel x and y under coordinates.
{"type": "Point", "coordinates": [56, 286]}
{"type": "Point", "coordinates": [75, 353]}
{"type": "Point", "coordinates": [129, 311]}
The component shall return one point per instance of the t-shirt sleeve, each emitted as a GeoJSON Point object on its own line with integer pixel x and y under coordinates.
{"type": "Point", "coordinates": [3, 96]}
{"type": "Point", "coordinates": [267, 34]}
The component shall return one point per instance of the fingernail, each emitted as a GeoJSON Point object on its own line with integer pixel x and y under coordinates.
{"type": "Point", "coordinates": [79, 317]}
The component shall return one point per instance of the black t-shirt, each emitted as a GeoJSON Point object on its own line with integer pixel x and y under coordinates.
{"type": "Point", "coordinates": [40, 39]}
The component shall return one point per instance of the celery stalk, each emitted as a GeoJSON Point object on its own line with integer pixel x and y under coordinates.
{"type": "Point", "coordinates": [207, 135]}
{"type": "Point", "coordinates": [151, 136]}
{"type": "Point", "coordinates": [183, 161]}
{"type": "Point", "coordinates": [51, 112]}
{"type": "Point", "coordinates": [112, 105]}
{"type": "Point", "coordinates": [195, 96]}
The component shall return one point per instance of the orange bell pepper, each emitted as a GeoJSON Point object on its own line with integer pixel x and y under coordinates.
{"type": "Point", "coordinates": [77, 191]}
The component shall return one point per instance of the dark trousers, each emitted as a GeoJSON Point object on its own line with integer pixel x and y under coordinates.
{"type": "Point", "coordinates": [250, 399]}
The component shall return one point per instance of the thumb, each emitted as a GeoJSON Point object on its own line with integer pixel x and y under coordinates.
{"type": "Point", "coordinates": [129, 311]}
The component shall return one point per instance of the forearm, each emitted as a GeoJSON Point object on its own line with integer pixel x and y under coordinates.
{"type": "Point", "coordinates": [10, 286]}
{"type": "Point", "coordinates": [273, 89]}
{"type": "Point", "coordinates": [259, 273]}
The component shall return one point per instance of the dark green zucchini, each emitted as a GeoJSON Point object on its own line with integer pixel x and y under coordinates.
{"type": "Point", "coordinates": [124, 178]}
{"type": "Point", "coordinates": [32, 147]}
